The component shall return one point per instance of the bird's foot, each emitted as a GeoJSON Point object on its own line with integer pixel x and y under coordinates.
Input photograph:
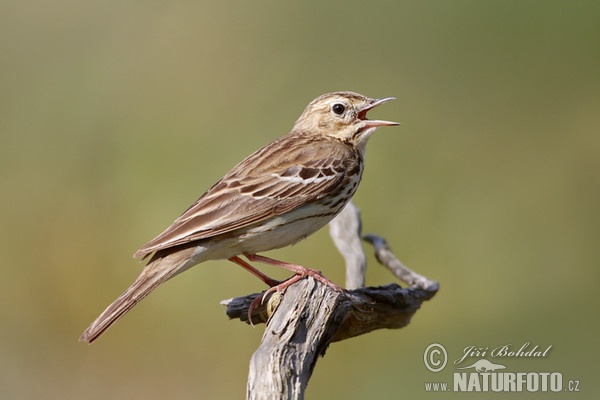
{"type": "Point", "coordinates": [299, 271]}
{"type": "Point", "coordinates": [296, 269]}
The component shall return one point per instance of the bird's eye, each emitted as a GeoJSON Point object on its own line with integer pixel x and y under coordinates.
{"type": "Point", "coordinates": [338, 109]}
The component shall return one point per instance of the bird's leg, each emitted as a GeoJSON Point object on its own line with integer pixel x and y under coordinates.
{"type": "Point", "coordinates": [266, 279]}
{"type": "Point", "coordinates": [275, 285]}
{"type": "Point", "coordinates": [297, 269]}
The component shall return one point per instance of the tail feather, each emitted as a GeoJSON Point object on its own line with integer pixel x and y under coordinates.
{"type": "Point", "coordinates": [158, 270]}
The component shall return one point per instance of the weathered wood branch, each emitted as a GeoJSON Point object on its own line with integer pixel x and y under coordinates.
{"type": "Point", "coordinates": [302, 322]}
{"type": "Point", "coordinates": [345, 231]}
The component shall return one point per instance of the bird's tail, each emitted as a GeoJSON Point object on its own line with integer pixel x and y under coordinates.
{"type": "Point", "coordinates": [159, 269]}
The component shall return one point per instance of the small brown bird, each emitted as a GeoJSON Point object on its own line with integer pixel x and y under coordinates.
{"type": "Point", "coordinates": [277, 196]}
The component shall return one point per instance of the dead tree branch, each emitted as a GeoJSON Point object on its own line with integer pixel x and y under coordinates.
{"type": "Point", "coordinates": [302, 322]}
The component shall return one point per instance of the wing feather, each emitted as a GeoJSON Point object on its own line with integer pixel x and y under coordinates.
{"type": "Point", "coordinates": [282, 176]}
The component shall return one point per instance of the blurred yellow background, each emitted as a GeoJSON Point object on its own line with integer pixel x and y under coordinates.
{"type": "Point", "coordinates": [116, 116]}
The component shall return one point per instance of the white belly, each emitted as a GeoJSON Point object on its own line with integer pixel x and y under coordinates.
{"type": "Point", "coordinates": [272, 234]}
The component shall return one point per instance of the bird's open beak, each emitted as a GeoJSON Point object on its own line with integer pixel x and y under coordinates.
{"type": "Point", "coordinates": [362, 115]}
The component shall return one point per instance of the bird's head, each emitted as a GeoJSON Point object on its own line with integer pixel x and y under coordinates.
{"type": "Point", "coordinates": [342, 115]}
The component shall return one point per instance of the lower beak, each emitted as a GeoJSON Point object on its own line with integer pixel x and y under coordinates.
{"type": "Point", "coordinates": [375, 123]}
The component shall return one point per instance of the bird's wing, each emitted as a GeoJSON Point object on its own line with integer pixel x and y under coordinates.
{"type": "Point", "coordinates": [282, 176]}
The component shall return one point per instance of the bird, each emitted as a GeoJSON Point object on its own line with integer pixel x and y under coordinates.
{"type": "Point", "coordinates": [277, 196]}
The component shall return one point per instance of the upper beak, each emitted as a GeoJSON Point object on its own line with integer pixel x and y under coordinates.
{"type": "Point", "coordinates": [375, 123]}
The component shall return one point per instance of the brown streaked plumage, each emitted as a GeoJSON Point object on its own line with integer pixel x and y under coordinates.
{"type": "Point", "coordinates": [277, 196]}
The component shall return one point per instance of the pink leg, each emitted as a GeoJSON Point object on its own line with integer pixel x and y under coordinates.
{"type": "Point", "coordinates": [297, 269]}
{"type": "Point", "coordinates": [269, 281]}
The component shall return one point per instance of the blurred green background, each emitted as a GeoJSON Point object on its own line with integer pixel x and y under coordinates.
{"type": "Point", "coordinates": [115, 116]}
